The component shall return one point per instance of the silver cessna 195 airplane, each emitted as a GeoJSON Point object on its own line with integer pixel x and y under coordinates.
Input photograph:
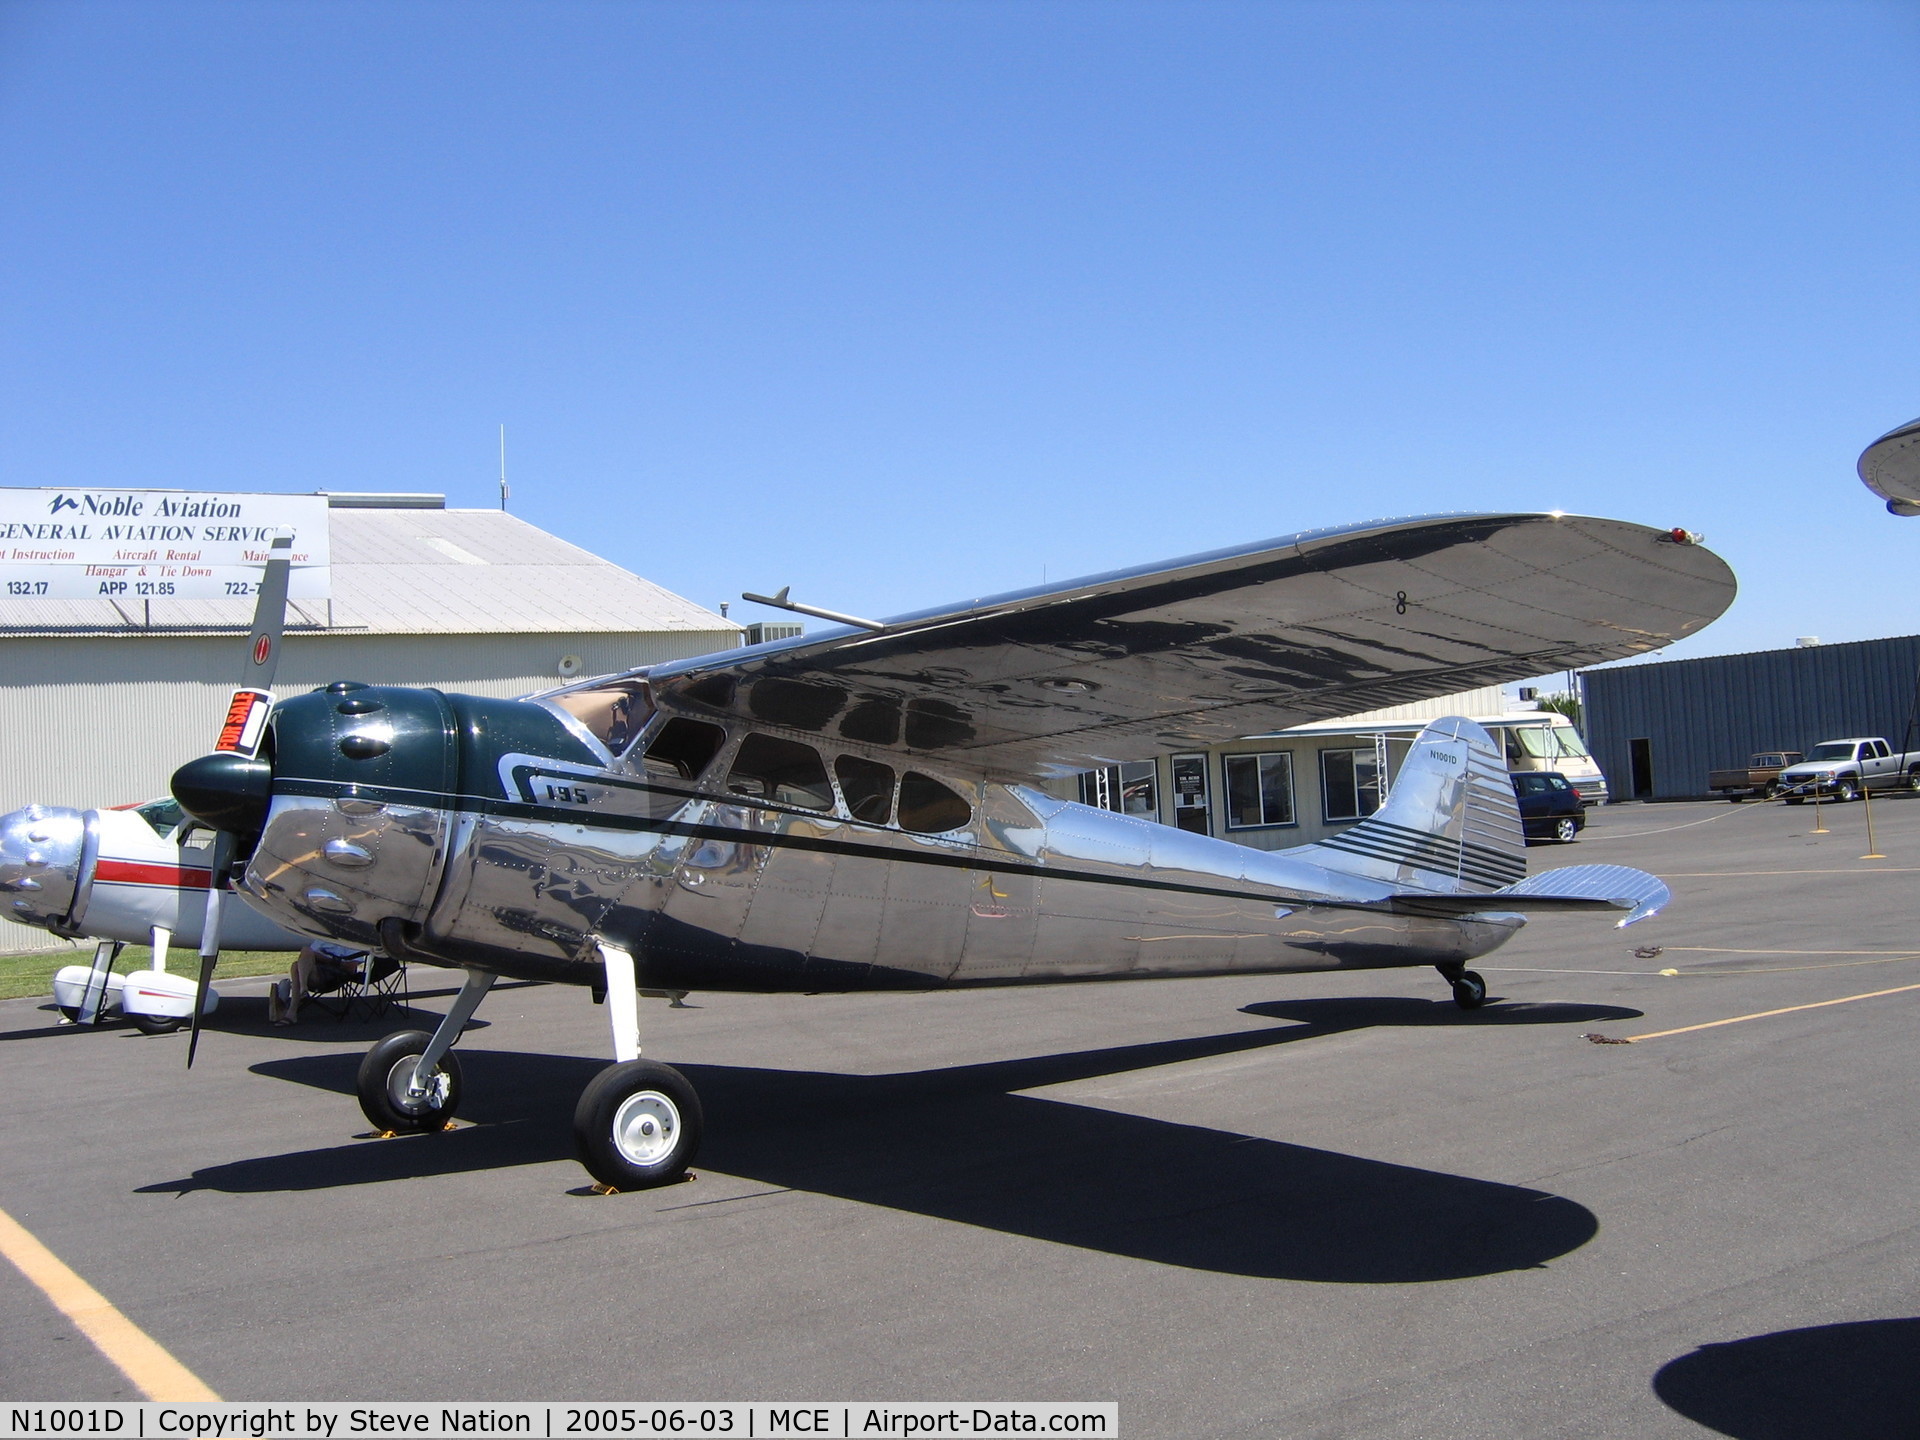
{"type": "Point", "coordinates": [856, 810]}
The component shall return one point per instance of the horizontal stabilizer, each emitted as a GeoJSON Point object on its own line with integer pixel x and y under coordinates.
{"type": "Point", "coordinates": [1577, 887]}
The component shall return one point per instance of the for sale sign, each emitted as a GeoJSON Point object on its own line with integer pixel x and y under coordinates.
{"type": "Point", "coordinates": [156, 544]}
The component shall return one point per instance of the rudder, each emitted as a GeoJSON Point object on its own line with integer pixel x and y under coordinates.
{"type": "Point", "coordinates": [1450, 824]}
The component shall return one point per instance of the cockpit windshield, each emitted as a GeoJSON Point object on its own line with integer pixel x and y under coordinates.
{"type": "Point", "coordinates": [163, 815]}
{"type": "Point", "coordinates": [613, 714]}
{"type": "Point", "coordinates": [1549, 742]}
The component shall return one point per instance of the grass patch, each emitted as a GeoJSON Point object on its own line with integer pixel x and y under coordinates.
{"type": "Point", "coordinates": [22, 975]}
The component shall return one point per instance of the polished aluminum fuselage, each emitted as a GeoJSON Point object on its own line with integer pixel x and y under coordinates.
{"type": "Point", "coordinates": [711, 891]}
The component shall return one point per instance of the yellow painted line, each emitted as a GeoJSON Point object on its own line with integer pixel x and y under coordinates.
{"type": "Point", "coordinates": [1763, 1014]}
{"type": "Point", "coordinates": [154, 1372]}
{"type": "Point", "coordinates": [1741, 874]}
{"type": "Point", "coordinates": [1743, 950]}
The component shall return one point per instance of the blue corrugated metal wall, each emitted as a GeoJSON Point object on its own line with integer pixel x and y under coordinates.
{"type": "Point", "coordinates": [1702, 714]}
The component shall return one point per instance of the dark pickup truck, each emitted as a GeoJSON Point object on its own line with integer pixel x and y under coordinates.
{"type": "Point", "coordinates": [1757, 778]}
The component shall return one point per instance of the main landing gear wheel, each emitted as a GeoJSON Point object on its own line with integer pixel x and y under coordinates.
{"type": "Point", "coordinates": [385, 1075]}
{"type": "Point", "coordinates": [153, 1024]}
{"type": "Point", "coordinates": [637, 1125]}
{"type": "Point", "coordinates": [1469, 991]}
{"type": "Point", "coordinates": [1566, 830]}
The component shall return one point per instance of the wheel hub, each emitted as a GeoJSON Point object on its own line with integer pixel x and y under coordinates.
{"type": "Point", "coordinates": [400, 1088]}
{"type": "Point", "coordinates": [645, 1127]}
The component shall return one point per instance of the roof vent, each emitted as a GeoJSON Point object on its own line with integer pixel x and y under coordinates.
{"type": "Point", "coordinates": [379, 500]}
{"type": "Point", "coordinates": [1807, 642]}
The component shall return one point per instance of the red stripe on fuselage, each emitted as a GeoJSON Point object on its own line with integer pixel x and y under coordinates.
{"type": "Point", "coordinates": [138, 872]}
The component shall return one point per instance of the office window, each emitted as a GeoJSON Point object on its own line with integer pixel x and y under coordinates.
{"type": "Point", "coordinates": [1350, 781]}
{"type": "Point", "coordinates": [1132, 789]}
{"type": "Point", "coordinates": [1259, 790]}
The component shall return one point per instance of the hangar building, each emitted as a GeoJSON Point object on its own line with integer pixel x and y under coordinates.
{"type": "Point", "coordinates": [100, 700]}
{"type": "Point", "coordinates": [1297, 786]}
{"type": "Point", "coordinates": [1658, 729]}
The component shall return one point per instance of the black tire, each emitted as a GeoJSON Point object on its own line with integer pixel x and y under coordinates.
{"type": "Point", "coordinates": [1796, 800]}
{"type": "Point", "coordinates": [382, 1085]}
{"type": "Point", "coordinates": [1771, 792]}
{"type": "Point", "coordinates": [71, 1012]}
{"type": "Point", "coordinates": [1735, 799]}
{"type": "Point", "coordinates": [1913, 779]}
{"type": "Point", "coordinates": [1566, 829]}
{"type": "Point", "coordinates": [1843, 791]}
{"type": "Point", "coordinates": [157, 1024]}
{"type": "Point", "coordinates": [1469, 991]}
{"type": "Point", "coordinates": [637, 1125]}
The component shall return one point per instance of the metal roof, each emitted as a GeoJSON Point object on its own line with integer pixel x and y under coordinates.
{"type": "Point", "coordinates": [415, 571]}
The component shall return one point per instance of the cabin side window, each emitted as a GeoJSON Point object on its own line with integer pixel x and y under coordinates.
{"type": "Point", "coordinates": [783, 771]}
{"type": "Point", "coordinates": [929, 808]}
{"type": "Point", "coordinates": [683, 749]}
{"type": "Point", "coordinates": [867, 786]}
{"type": "Point", "coordinates": [613, 714]}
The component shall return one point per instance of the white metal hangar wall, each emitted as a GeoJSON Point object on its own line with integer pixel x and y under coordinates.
{"type": "Point", "coordinates": [101, 700]}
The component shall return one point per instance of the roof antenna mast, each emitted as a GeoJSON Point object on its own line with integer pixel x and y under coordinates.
{"type": "Point", "coordinates": [504, 492]}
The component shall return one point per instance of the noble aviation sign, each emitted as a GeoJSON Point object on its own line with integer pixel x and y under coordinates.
{"type": "Point", "coordinates": [86, 544]}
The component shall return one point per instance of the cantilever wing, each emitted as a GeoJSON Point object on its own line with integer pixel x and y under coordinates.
{"type": "Point", "coordinates": [1235, 642]}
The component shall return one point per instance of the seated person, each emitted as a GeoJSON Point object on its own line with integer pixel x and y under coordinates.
{"type": "Point", "coordinates": [322, 967]}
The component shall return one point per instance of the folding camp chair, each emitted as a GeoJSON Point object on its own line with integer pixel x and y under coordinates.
{"type": "Point", "coordinates": [371, 988]}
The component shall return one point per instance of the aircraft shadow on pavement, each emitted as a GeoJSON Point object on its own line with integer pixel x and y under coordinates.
{"type": "Point", "coordinates": [322, 1022]}
{"type": "Point", "coordinates": [962, 1144]}
{"type": "Point", "coordinates": [1832, 1382]}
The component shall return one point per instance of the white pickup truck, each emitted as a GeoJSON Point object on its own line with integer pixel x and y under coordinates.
{"type": "Point", "coordinates": [1846, 769]}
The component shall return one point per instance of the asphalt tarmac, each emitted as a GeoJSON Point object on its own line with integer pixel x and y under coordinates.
{"type": "Point", "coordinates": [1299, 1206]}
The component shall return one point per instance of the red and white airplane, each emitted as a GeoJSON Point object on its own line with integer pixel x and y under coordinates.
{"type": "Point", "coordinates": [134, 874]}
{"type": "Point", "coordinates": [142, 874]}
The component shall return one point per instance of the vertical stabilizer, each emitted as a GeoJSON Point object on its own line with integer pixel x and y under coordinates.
{"type": "Point", "coordinates": [1451, 823]}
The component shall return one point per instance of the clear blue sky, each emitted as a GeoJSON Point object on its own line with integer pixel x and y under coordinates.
{"type": "Point", "coordinates": [899, 303]}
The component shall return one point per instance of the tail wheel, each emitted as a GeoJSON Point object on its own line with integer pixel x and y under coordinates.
{"type": "Point", "coordinates": [1566, 830]}
{"type": "Point", "coordinates": [1470, 991]}
{"type": "Point", "coordinates": [385, 1079]}
{"type": "Point", "coordinates": [637, 1125]}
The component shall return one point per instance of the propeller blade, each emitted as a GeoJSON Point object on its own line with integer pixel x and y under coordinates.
{"type": "Point", "coordinates": [210, 936]}
{"type": "Point", "coordinates": [269, 617]}
{"type": "Point", "coordinates": [246, 719]}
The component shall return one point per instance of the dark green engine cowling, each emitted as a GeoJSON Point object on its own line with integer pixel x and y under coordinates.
{"type": "Point", "coordinates": [368, 783]}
